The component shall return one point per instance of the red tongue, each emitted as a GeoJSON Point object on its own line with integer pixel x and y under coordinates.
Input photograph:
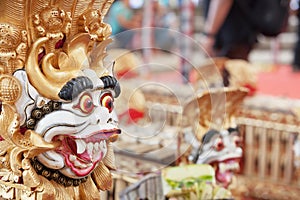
{"type": "Point", "coordinates": [73, 147]}
{"type": "Point", "coordinates": [72, 144]}
{"type": "Point", "coordinates": [224, 178]}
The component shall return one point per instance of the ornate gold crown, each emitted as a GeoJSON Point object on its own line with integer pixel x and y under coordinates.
{"type": "Point", "coordinates": [218, 108]}
{"type": "Point", "coordinates": [65, 31]}
{"type": "Point", "coordinates": [58, 45]}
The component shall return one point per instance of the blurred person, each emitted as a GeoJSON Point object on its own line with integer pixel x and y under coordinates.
{"type": "Point", "coordinates": [164, 20]}
{"type": "Point", "coordinates": [226, 30]}
{"type": "Point", "coordinates": [122, 17]}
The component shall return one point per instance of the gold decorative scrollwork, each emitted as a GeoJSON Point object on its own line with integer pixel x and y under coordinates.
{"type": "Point", "coordinates": [92, 22]}
{"type": "Point", "coordinates": [13, 47]}
{"type": "Point", "coordinates": [51, 41]}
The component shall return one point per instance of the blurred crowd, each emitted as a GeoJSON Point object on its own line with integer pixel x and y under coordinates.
{"type": "Point", "coordinates": [225, 29]}
{"type": "Point", "coordinates": [126, 16]}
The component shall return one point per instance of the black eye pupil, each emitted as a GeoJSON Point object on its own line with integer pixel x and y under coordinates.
{"type": "Point", "coordinates": [109, 104]}
{"type": "Point", "coordinates": [89, 104]}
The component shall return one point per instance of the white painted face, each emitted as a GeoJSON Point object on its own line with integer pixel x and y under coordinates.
{"type": "Point", "coordinates": [222, 150]}
{"type": "Point", "coordinates": [83, 126]}
{"type": "Point", "coordinates": [221, 146]}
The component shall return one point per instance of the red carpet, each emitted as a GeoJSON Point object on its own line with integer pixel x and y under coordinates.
{"type": "Point", "coordinates": [281, 81]}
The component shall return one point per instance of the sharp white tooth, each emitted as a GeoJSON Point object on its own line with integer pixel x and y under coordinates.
{"type": "Point", "coordinates": [72, 158]}
{"type": "Point", "coordinates": [237, 166]}
{"type": "Point", "coordinates": [96, 146]}
{"type": "Point", "coordinates": [81, 146]}
{"type": "Point", "coordinates": [90, 148]}
{"type": "Point", "coordinates": [77, 163]}
{"type": "Point", "coordinates": [94, 153]}
{"type": "Point", "coordinates": [103, 145]}
{"type": "Point", "coordinates": [90, 164]}
{"type": "Point", "coordinates": [82, 166]}
{"type": "Point", "coordinates": [222, 167]}
{"type": "Point", "coordinates": [94, 156]}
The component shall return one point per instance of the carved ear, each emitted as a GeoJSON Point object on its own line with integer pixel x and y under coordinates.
{"type": "Point", "coordinates": [111, 69]}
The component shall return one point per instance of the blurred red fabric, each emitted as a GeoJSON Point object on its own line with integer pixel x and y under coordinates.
{"type": "Point", "coordinates": [281, 81]}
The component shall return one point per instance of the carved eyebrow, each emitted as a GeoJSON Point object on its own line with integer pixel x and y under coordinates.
{"type": "Point", "coordinates": [233, 130]}
{"type": "Point", "coordinates": [209, 135]}
{"type": "Point", "coordinates": [74, 87]}
{"type": "Point", "coordinates": [111, 82]}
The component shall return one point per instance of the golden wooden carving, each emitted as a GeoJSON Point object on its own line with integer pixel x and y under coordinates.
{"type": "Point", "coordinates": [47, 46]}
{"type": "Point", "coordinates": [218, 108]}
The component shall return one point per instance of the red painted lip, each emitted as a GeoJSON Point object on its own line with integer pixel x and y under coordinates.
{"type": "Point", "coordinates": [69, 144]}
{"type": "Point", "coordinates": [99, 135]}
{"type": "Point", "coordinates": [81, 172]}
{"type": "Point", "coordinates": [229, 160]}
{"type": "Point", "coordinates": [93, 137]}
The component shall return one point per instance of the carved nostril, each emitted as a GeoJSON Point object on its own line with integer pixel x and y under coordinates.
{"type": "Point", "coordinates": [98, 121]}
{"type": "Point", "coordinates": [109, 120]}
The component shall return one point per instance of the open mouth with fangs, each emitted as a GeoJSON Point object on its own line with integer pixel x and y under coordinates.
{"type": "Point", "coordinates": [225, 170]}
{"type": "Point", "coordinates": [83, 154]}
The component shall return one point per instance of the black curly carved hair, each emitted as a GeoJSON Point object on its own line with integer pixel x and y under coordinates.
{"type": "Point", "coordinates": [74, 87]}
{"type": "Point", "coordinates": [77, 85]}
{"type": "Point", "coordinates": [111, 82]}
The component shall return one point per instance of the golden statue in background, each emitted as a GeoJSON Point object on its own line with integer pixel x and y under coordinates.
{"type": "Point", "coordinates": [57, 119]}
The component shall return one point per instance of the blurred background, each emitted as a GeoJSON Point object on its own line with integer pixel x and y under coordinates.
{"type": "Point", "coordinates": [181, 99]}
{"type": "Point", "coordinates": [266, 47]}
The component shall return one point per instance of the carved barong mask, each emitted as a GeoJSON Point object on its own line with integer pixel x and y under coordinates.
{"type": "Point", "coordinates": [222, 150]}
{"type": "Point", "coordinates": [57, 119]}
{"type": "Point", "coordinates": [221, 143]}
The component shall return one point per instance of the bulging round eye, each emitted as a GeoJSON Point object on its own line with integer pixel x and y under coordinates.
{"type": "Point", "coordinates": [237, 140]}
{"type": "Point", "coordinates": [219, 145]}
{"type": "Point", "coordinates": [107, 101]}
{"type": "Point", "coordinates": [86, 104]}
